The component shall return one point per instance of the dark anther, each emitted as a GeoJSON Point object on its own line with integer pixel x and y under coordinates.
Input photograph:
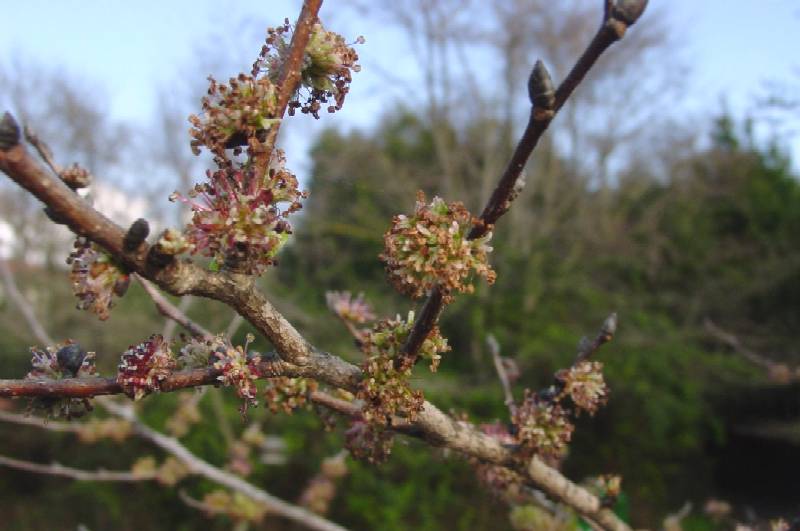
{"type": "Point", "coordinates": [70, 358]}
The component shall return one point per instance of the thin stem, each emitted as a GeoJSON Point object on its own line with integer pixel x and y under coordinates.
{"type": "Point", "coordinates": [55, 469]}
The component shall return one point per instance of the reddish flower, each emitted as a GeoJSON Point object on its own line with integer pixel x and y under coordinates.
{"type": "Point", "coordinates": [143, 367]}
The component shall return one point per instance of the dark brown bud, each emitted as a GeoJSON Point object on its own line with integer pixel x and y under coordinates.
{"type": "Point", "coordinates": [136, 234]}
{"type": "Point", "coordinates": [628, 11]}
{"type": "Point", "coordinates": [121, 285]}
{"type": "Point", "coordinates": [70, 358]}
{"type": "Point", "coordinates": [9, 132]}
{"type": "Point", "coordinates": [541, 90]}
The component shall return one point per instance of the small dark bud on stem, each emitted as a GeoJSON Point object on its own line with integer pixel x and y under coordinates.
{"type": "Point", "coordinates": [628, 11]}
{"type": "Point", "coordinates": [9, 132]}
{"type": "Point", "coordinates": [70, 358]}
{"type": "Point", "coordinates": [541, 92]}
{"type": "Point", "coordinates": [136, 234]}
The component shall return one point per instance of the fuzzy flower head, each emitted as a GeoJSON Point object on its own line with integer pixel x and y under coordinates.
{"type": "Point", "coordinates": [287, 394]}
{"type": "Point", "coordinates": [352, 309]}
{"type": "Point", "coordinates": [63, 360]}
{"type": "Point", "coordinates": [96, 278]}
{"type": "Point", "coordinates": [238, 369]}
{"type": "Point", "coordinates": [327, 68]}
{"type": "Point", "coordinates": [239, 218]}
{"type": "Point", "coordinates": [384, 388]}
{"type": "Point", "coordinates": [242, 107]}
{"type": "Point", "coordinates": [585, 385]}
{"type": "Point", "coordinates": [143, 367]}
{"type": "Point", "coordinates": [542, 427]}
{"type": "Point", "coordinates": [431, 247]}
{"type": "Point", "coordinates": [369, 442]}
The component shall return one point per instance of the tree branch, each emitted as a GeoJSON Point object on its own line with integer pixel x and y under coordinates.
{"type": "Point", "coordinates": [618, 16]}
{"type": "Point", "coordinates": [24, 305]}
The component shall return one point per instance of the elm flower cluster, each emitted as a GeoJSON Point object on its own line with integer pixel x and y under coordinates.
{"type": "Point", "coordinates": [369, 442]}
{"type": "Point", "coordinates": [287, 394]}
{"type": "Point", "coordinates": [239, 218]}
{"type": "Point", "coordinates": [239, 369]}
{"type": "Point", "coordinates": [542, 427]}
{"type": "Point", "coordinates": [243, 107]}
{"type": "Point", "coordinates": [431, 247]}
{"type": "Point", "coordinates": [384, 387]}
{"type": "Point", "coordinates": [143, 367]}
{"type": "Point", "coordinates": [584, 384]}
{"type": "Point", "coordinates": [96, 278]}
{"type": "Point", "coordinates": [498, 479]}
{"type": "Point", "coordinates": [348, 308]}
{"type": "Point", "coordinates": [63, 360]}
{"type": "Point", "coordinates": [326, 73]}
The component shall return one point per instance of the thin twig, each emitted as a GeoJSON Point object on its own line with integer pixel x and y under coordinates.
{"type": "Point", "coordinates": [55, 469]}
{"type": "Point", "coordinates": [170, 311]}
{"type": "Point", "coordinates": [24, 305]}
{"type": "Point", "coordinates": [43, 149]}
{"type": "Point", "coordinates": [170, 325]}
{"type": "Point", "coordinates": [494, 348]}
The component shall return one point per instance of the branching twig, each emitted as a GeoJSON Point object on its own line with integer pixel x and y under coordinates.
{"type": "Point", "coordinates": [55, 469]}
{"type": "Point", "coordinates": [618, 16]}
{"type": "Point", "coordinates": [170, 311]}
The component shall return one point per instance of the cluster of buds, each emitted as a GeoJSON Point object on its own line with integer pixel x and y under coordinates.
{"type": "Point", "coordinates": [348, 308]}
{"type": "Point", "coordinates": [384, 387]}
{"type": "Point", "coordinates": [432, 248]}
{"type": "Point", "coordinates": [369, 442]}
{"type": "Point", "coordinates": [63, 360]}
{"type": "Point", "coordinates": [185, 415]}
{"type": "Point", "coordinates": [239, 369]}
{"type": "Point", "coordinates": [236, 506]}
{"type": "Point", "coordinates": [96, 278]}
{"type": "Point", "coordinates": [287, 394]}
{"type": "Point", "coordinates": [75, 176]}
{"type": "Point", "coordinates": [606, 487]}
{"type": "Point", "coordinates": [95, 430]}
{"type": "Point", "coordinates": [143, 367]}
{"type": "Point", "coordinates": [240, 451]}
{"type": "Point", "coordinates": [243, 107]}
{"type": "Point", "coordinates": [584, 384]}
{"type": "Point", "coordinates": [326, 72]}
{"type": "Point", "coordinates": [321, 490]}
{"type": "Point", "coordinates": [240, 216]}
{"type": "Point", "coordinates": [542, 427]}
{"type": "Point", "coordinates": [168, 473]}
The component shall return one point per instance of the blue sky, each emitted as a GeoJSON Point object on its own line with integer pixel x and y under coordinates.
{"type": "Point", "coordinates": [133, 48]}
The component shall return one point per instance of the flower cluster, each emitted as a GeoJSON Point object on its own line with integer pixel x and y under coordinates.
{"type": "Point", "coordinates": [321, 490]}
{"type": "Point", "coordinates": [369, 442]}
{"type": "Point", "coordinates": [431, 247]}
{"type": "Point", "coordinates": [542, 427]}
{"type": "Point", "coordinates": [185, 415]}
{"type": "Point", "coordinates": [76, 176]}
{"type": "Point", "coordinates": [239, 217]}
{"type": "Point", "coordinates": [236, 506]}
{"type": "Point", "coordinates": [584, 384]}
{"type": "Point", "coordinates": [498, 479]}
{"type": "Point", "coordinates": [244, 106]}
{"type": "Point", "coordinates": [63, 360]}
{"type": "Point", "coordinates": [96, 278]}
{"type": "Point", "coordinates": [352, 309]}
{"type": "Point", "coordinates": [143, 367]}
{"type": "Point", "coordinates": [168, 473]}
{"type": "Point", "coordinates": [110, 428]}
{"type": "Point", "coordinates": [239, 369]}
{"type": "Point", "coordinates": [384, 388]}
{"type": "Point", "coordinates": [326, 72]}
{"type": "Point", "coordinates": [287, 394]}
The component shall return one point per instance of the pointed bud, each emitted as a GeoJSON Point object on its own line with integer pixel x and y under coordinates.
{"type": "Point", "coordinates": [9, 132]}
{"type": "Point", "coordinates": [609, 326]}
{"type": "Point", "coordinates": [628, 11]}
{"type": "Point", "coordinates": [136, 234]}
{"type": "Point", "coordinates": [541, 91]}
